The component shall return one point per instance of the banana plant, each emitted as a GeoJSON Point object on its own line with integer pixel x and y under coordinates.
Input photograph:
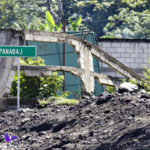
{"type": "Point", "coordinates": [49, 24]}
{"type": "Point", "coordinates": [74, 25]}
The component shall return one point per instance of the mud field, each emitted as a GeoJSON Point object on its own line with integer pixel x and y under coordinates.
{"type": "Point", "coordinates": [107, 122]}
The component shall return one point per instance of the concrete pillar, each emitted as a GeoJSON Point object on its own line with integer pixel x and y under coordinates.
{"type": "Point", "coordinates": [7, 37]}
{"type": "Point", "coordinates": [86, 62]}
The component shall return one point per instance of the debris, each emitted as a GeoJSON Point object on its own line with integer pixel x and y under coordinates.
{"type": "Point", "coordinates": [127, 87]}
{"type": "Point", "coordinates": [118, 121]}
{"type": "Point", "coordinates": [25, 120]}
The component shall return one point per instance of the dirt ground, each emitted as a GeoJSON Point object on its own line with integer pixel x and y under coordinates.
{"type": "Point", "coordinates": [107, 122]}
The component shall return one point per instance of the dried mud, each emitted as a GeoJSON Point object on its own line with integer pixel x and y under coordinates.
{"type": "Point", "coordinates": [107, 122]}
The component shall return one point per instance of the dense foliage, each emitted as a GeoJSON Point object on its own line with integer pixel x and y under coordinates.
{"type": "Point", "coordinates": [121, 19]}
{"type": "Point", "coordinates": [131, 21]}
{"type": "Point", "coordinates": [39, 87]}
{"type": "Point", "coordinates": [7, 13]}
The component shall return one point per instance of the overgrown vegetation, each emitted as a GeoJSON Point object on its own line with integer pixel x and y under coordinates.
{"type": "Point", "coordinates": [58, 100]}
{"type": "Point", "coordinates": [45, 102]}
{"type": "Point", "coordinates": [110, 89]}
{"type": "Point", "coordinates": [146, 73]}
{"type": "Point", "coordinates": [39, 87]}
{"type": "Point", "coordinates": [50, 25]}
{"type": "Point", "coordinates": [132, 81]}
{"type": "Point", "coordinates": [118, 19]}
{"type": "Point", "coordinates": [66, 101]}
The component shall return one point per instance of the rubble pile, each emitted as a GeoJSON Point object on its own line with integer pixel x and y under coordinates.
{"type": "Point", "coordinates": [118, 121]}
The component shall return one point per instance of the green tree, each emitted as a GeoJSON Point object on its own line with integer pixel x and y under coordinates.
{"type": "Point", "coordinates": [7, 13]}
{"type": "Point", "coordinates": [132, 21]}
{"type": "Point", "coordinates": [21, 12]}
{"type": "Point", "coordinates": [28, 12]}
{"type": "Point", "coordinates": [121, 19]}
{"type": "Point", "coordinates": [95, 12]}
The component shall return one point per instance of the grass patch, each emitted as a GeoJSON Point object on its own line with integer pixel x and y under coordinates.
{"type": "Point", "coordinates": [44, 102]}
{"type": "Point", "coordinates": [65, 101]}
{"type": "Point", "coordinates": [59, 100]}
{"type": "Point", "coordinates": [110, 89]}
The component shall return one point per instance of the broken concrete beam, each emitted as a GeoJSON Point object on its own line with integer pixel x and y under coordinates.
{"type": "Point", "coordinates": [77, 43]}
{"type": "Point", "coordinates": [47, 70]}
{"type": "Point", "coordinates": [103, 79]}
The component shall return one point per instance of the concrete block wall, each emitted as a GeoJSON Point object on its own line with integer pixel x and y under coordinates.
{"type": "Point", "coordinates": [133, 53]}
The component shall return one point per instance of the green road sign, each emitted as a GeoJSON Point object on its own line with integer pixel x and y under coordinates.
{"type": "Point", "coordinates": [18, 51]}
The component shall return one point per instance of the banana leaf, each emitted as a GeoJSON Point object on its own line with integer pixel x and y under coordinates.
{"type": "Point", "coordinates": [41, 26]}
{"type": "Point", "coordinates": [50, 20]}
{"type": "Point", "coordinates": [78, 21]}
{"type": "Point", "coordinates": [47, 27]}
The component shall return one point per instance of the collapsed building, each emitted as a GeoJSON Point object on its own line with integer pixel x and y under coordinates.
{"type": "Point", "coordinates": [85, 50]}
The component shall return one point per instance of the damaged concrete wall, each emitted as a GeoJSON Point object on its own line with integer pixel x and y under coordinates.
{"type": "Point", "coordinates": [131, 52]}
{"type": "Point", "coordinates": [77, 43]}
{"type": "Point", "coordinates": [35, 71]}
{"type": "Point", "coordinates": [7, 37]}
{"type": "Point", "coordinates": [85, 49]}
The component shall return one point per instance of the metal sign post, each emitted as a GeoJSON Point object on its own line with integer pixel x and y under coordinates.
{"type": "Point", "coordinates": [64, 55]}
{"type": "Point", "coordinates": [18, 88]}
{"type": "Point", "coordinates": [18, 51]}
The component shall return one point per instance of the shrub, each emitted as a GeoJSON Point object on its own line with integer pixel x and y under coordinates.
{"type": "Point", "coordinates": [133, 81]}
{"type": "Point", "coordinates": [110, 89]}
{"type": "Point", "coordinates": [41, 87]}
{"type": "Point", "coordinates": [146, 84]}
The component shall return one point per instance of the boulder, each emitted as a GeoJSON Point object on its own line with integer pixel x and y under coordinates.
{"type": "Point", "coordinates": [127, 87]}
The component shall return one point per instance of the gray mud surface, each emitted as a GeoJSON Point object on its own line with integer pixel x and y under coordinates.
{"type": "Point", "coordinates": [107, 122]}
